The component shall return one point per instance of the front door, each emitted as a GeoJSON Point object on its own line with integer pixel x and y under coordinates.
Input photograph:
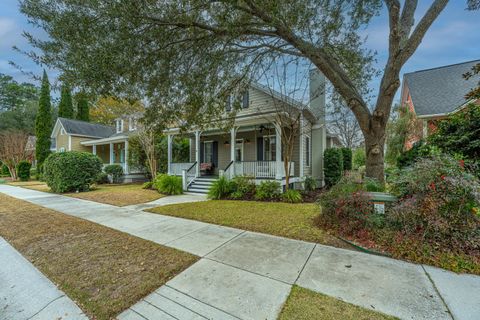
{"type": "Point", "coordinates": [239, 150]}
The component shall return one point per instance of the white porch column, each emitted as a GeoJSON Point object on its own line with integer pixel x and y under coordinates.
{"type": "Point", "coordinates": [197, 152]}
{"type": "Point", "coordinates": [233, 141]}
{"type": "Point", "coordinates": [112, 160]}
{"type": "Point", "coordinates": [278, 151]}
{"type": "Point", "coordinates": [127, 169]}
{"type": "Point", "coordinates": [169, 153]}
{"type": "Point", "coordinates": [94, 149]}
{"type": "Point", "coordinates": [302, 147]}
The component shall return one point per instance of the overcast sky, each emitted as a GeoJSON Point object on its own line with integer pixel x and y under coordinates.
{"type": "Point", "coordinates": [453, 38]}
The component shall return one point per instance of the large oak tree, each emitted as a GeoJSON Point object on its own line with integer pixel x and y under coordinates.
{"type": "Point", "coordinates": [185, 56]}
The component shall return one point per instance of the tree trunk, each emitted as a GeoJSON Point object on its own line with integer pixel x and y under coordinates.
{"type": "Point", "coordinates": [374, 145]}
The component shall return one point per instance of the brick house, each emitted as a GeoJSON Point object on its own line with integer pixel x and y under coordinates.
{"type": "Point", "coordinates": [434, 94]}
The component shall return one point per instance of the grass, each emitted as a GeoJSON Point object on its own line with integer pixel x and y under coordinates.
{"type": "Point", "coordinates": [276, 218]}
{"type": "Point", "coordinates": [103, 270]}
{"type": "Point", "coordinates": [117, 194]}
{"type": "Point", "coordinates": [303, 304]}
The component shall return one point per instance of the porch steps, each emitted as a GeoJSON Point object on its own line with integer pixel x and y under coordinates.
{"type": "Point", "coordinates": [201, 184]}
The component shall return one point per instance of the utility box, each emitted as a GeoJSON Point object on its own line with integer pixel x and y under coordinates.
{"type": "Point", "coordinates": [379, 199]}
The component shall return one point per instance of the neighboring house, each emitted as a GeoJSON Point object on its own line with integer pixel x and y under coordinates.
{"type": "Point", "coordinates": [253, 147]}
{"type": "Point", "coordinates": [109, 143]}
{"type": "Point", "coordinates": [434, 94]}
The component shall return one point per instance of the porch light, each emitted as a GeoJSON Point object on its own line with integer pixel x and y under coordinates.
{"type": "Point", "coordinates": [226, 143]}
{"type": "Point", "coordinates": [247, 141]}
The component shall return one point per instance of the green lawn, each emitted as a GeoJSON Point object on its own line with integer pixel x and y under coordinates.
{"type": "Point", "coordinates": [303, 304]}
{"type": "Point", "coordinates": [277, 218]}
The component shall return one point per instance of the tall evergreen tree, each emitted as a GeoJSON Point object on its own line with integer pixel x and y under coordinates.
{"type": "Point", "coordinates": [43, 122]}
{"type": "Point", "coordinates": [65, 108]}
{"type": "Point", "coordinates": [83, 112]}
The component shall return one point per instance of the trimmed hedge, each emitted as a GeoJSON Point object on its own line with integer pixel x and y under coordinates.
{"type": "Point", "coordinates": [115, 171]}
{"type": "Point", "coordinates": [23, 170]}
{"type": "Point", "coordinates": [347, 159]}
{"type": "Point", "coordinates": [333, 166]}
{"type": "Point", "coordinates": [166, 184]}
{"type": "Point", "coordinates": [71, 171]}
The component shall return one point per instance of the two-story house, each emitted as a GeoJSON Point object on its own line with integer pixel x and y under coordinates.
{"type": "Point", "coordinates": [253, 146]}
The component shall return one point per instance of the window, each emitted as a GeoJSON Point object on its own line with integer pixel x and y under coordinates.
{"type": "Point", "coordinates": [228, 104]}
{"type": "Point", "coordinates": [132, 124]}
{"type": "Point", "coordinates": [308, 151]}
{"type": "Point", "coordinates": [245, 100]}
{"type": "Point", "coordinates": [207, 152]}
{"type": "Point", "coordinates": [119, 125]}
{"type": "Point", "coordinates": [269, 148]}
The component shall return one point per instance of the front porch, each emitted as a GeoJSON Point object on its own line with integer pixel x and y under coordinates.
{"type": "Point", "coordinates": [253, 150]}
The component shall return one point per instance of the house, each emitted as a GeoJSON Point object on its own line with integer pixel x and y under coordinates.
{"type": "Point", "coordinates": [434, 94]}
{"type": "Point", "coordinates": [253, 146]}
{"type": "Point", "coordinates": [109, 143]}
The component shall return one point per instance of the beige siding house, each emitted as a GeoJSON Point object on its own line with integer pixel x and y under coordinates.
{"type": "Point", "coordinates": [253, 146]}
{"type": "Point", "coordinates": [109, 143]}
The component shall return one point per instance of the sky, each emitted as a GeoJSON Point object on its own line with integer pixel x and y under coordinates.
{"type": "Point", "coordinates": [453, 38]}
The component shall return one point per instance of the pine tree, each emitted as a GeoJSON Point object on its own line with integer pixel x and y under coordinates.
{"type": "Point", "coordinates": [83, 112]}
{"type": "Point", "coordinates": [43, 122]}
{"type": "Point", "coordinates": [65, 108]}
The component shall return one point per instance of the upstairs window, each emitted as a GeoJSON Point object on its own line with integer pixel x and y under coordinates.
{"type": "Point", "coordinates": [228, 104]}
{"type": "Point", "coordinates": [119, 125]}
{"type": "Point", "coordinates": [245, 100]}
{"type": "Point", "coordinates": [308, 151]}
{"type": "Point", "coordinates": [132, 124]}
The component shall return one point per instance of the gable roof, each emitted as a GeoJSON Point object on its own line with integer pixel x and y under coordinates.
{"type": "Point", "coordinates": [440, 90]}
{"type": "Point", "coordinates": [87, 129]}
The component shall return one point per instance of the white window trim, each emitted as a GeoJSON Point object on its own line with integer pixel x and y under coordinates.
{"type": "Point", "coordinates": [132, 124]}
{"type": "Point", "coordinates": [62, 132]}
{"type": "Point", "coordinates": [240, 142]}
{"type": "Point", "coordinates": [204, 153]}
{"type": "Point", "coordinates": [308, 160]}
{"type": "Point", "coordinates": [119, 130]}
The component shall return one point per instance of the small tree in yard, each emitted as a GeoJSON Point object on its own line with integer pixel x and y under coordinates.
{"type": "Point", "coordinates": [13, 150]}
{"type": "Point", "coordinates": [146, 138]}
{"type": "Point", "coordinates": [333, 166]}
{"type": "Point", "coordinates": [23, 170]}
{"type": "Point", "coordinates": [43, 123]}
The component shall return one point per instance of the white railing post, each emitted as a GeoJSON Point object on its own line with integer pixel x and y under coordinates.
{"type": "Point", "coordinates": [126, 170]}
{"type": "Point", "coordinates": [197, 153]}
{"type": "Point", "coordinates": [278, 151]}
{"type": "Point", "coordinates": [232, 148]}
{"type": "Point", "coordinates": [111, 154]}
{"type": "Point", "coordinates": [184, 179]}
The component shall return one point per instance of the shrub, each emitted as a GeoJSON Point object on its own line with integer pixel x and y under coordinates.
{"type": "Point", "coordinates": [347, 159]}
{"type": "Point", "coordinates": [4, 171]}
{"type": "Point", "coordinates": [33, 172]}
{"type": "Point", "coordinates": [71, 171]}
{"type": "Point", "coordinates": [372, 185]}
{"type": "Point", "coordinates": [292, 196]}
{"type": "Point", "coordinates": [23, 170]}
{"type": "Point", "coordinates": [358, 158]}
{"type": "Point", "coordinates": [220, 189]}
{"type": "Point", "coordinates": [333, 162]}
{"type": "Point", "coordinates": [242, 186]}
{"type": "Point", "coordinates": [102, 178]}
{"type": "Point", "coordinates": [267, 190]}
{"type": "Point", "coordinates": [439, 203]}
{"type": "Point", "coordinates": [147, 185]}
{"type": "Point", "coordinates": [115, 171]}
{"type": "Point", "coordinates": [310, 183]}
{"type": "Point", "coordinates": [347, 206]}
{"type": "Point", "coordinates": [167, 184]}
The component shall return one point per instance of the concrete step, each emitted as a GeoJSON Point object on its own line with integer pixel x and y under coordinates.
{"type": "Point", "coordinates": [200, 186]}
{"type": "Point", "coordinates": [196, 190]}
{"type": "Point", "coordinates": [203, 183]}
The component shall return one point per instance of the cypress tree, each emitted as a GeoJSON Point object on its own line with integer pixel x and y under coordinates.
{"type": "Point", "coordinates": [43, 123]}
{"type": "Point", "coordinates": [65, 108]}
{"type": "Point", "coordinates": [83, 112]}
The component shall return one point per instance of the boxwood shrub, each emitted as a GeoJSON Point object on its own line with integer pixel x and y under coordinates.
{"type": "Point", "coordinates": [71, 171]}
{"type": "Point", "coordinates": [168, 184]}
{"type": "Point", "coordinates": [267, 190]}
{"type": "Point", "coordinates": [23, 170]}
{"type": "Point", "coordinates": [347, 159]}
{"type": "Point", "coordinates": [115, 171]}
{"type": "Point", "coordinates": [333, 166]}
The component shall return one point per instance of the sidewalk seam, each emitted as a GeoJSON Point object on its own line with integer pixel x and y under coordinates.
{"type": "Point", "coordinates": [193, 311]}
{"type": "Point", "coordinates": [305, 264]}
{"type": "Point", "coordinates": [44, 307]}
{"type": "Point", "coordinates": [438, 292]}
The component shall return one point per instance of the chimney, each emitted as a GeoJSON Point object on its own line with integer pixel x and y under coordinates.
{"type": "Point", "coordinates": [317, 94]}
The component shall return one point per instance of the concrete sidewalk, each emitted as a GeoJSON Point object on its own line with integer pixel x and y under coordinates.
{"type": "Point", "coordinates": [25, 293]}
{"type": "Point", "coordinates": [246, 275]}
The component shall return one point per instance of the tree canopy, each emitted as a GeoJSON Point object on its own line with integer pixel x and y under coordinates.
{"type": "Point", "coordinates": [186, 56]}
{"type": "Point", "coordinates": [108, 108]}
{"type": "Point", "coordinates": [83, 109]}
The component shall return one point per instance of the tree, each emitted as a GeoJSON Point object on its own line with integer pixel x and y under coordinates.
{"type": "Point", "coordinates": [145, 138]}
{"type": "Point", "coordinates": [186, 42]}
{"type": "Point", "coordinates": [475, 92]}
{"type": "Point", "coordinates": [43, 122]}
{"type": "Point", "coordinates": [65, 107]}
{"type": "Point", "coordinates": [106, 109]}
{"type": "Point", "coordinates": [13, 150]}
{"type": "Point", "coordinates": [399, 128]}
{"type": "Point", "coordinates": [83, 112]}
{"type": "Point", "coordinates": [343, 124]}
{"type": "Point", "coordinates": [14, 95]}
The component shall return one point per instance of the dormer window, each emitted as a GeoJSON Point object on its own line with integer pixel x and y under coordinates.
{"type": "Point", "coordinates": [132, 124]}
{"type": "Point", "coordinates": [245, 100]}
{"type": "Point", "coordinates": [119, 125]}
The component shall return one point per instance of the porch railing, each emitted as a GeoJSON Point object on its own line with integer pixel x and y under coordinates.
{"type": "Point", "coordinates": [176, 168]}
{"type": "Point", "coordinates": [188, 175]}
{"type": "Point", "coordinates": [262, 169]}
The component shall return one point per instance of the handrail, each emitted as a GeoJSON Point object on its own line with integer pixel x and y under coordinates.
{"type": "Point", "coordinates": [231, 162]}
{"type": "Point", "coordinates": [193, 165]}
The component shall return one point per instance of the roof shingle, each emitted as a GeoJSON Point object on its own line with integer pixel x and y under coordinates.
{"type": "Point", "coordinates": [94, 130]}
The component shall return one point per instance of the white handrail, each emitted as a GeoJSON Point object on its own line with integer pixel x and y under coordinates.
{"type": "Point", "coordinates": [188, 175]}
